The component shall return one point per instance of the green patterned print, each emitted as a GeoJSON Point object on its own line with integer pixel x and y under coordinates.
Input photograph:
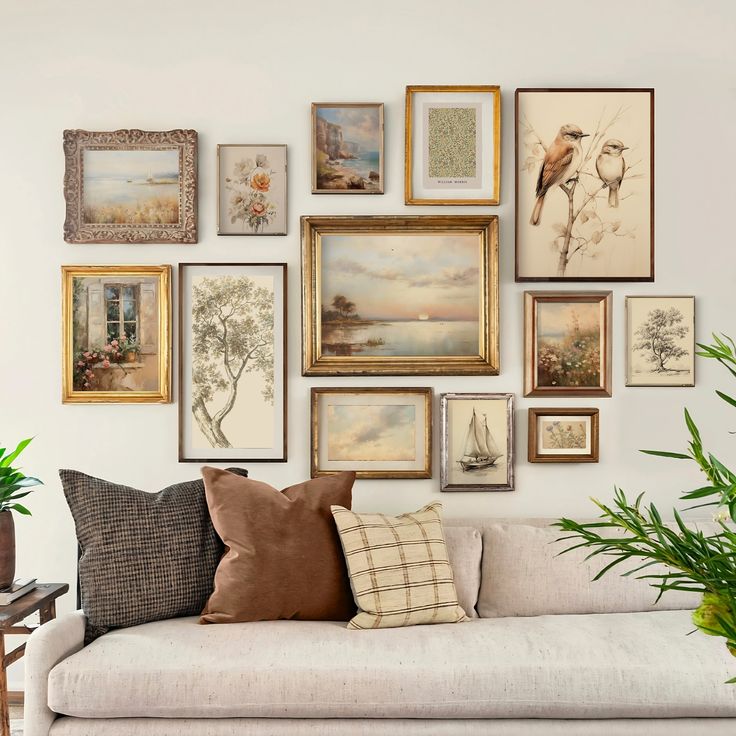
{"type": "Point", "coordinates": [452, 142]}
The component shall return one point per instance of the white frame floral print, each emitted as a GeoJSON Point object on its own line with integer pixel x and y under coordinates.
{"type": "Point", "coordinates": [251, 189]}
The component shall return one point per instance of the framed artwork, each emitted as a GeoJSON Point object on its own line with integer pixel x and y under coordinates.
{"type": "Point", "coordinates": [585, 185]}
{"type": "Point", "coordinates": [563, 435]}
{"type": "Point", "coordinates": [130, 186]}
{"type": "Point", "coordinates": [377, 432]}
{"type": "Point", "coordinates": [567, 338]}
{"type": "Point", "coordinates": [116, 341]}
{"type": "Point", "coordinates": [347, 148]}
{"type": "Point", "coordinates": [387, 295]}
{"type": "Point", "coordinates": [660, 341]}
{"type": "Point", "coordinates": [232, 362]}
{"type": "Point", "coordinates": [477, 442]}
{"type": "Point", "coordinates": [251, 189]}
{"type": "Point", "coordinates": [453, 144]}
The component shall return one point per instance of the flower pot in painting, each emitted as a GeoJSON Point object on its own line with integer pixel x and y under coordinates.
{"type": "Point", "coordinates": [131, 356]}
{"type": "Point", "coordinates": [7, 549]}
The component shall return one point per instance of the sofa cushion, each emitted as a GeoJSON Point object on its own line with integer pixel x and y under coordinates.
{"type": "Point", "coordinates": [524, 574]}
{"type": "Point", "coordinates": [637, 665]}
{"type": "Point", "coordinates": [465, 550]}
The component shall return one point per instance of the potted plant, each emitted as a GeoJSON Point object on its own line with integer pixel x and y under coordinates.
{"type": "Point", "coordinates": [13, 486]}
{"type": "Point", "coordinates": [129, 348]}
{"type": "Point", "coordinates": [694, 561]}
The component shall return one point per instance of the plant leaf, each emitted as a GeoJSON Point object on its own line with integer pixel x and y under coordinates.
{"type": "Point", "coordinates": [662, 453]}
{"type": "Point", "coordinates": [5, 462]}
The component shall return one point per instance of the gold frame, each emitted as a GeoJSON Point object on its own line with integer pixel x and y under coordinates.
{"type": "Point", "coordinates": [492, 89]}
{"type": "Point", "coordinates": [163, 395]}
{"type": "Point", "coordinates": [372, 474]}
{"type": "Point", "coordinates": [381, 168]}
{"type": "Point", "coordinates": [592, 457]}
{"type": "Point", "coordinates": [315, 364]}
{"type": "Point", "coordinates": [604, 389]}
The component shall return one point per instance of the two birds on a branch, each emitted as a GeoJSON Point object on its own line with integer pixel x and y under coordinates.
{"type": "Point", "coordinates": [562, 159]}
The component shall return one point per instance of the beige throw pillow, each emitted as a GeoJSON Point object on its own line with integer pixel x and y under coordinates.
{"type": "Point", "coordinates": [399, 569]}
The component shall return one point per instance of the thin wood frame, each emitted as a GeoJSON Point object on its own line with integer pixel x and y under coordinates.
{"type": "Point", "coordinates": [533, 454]}
{"type": "Point", "coordinates": [316, 364]}
{"type": "Point", "coordinates": [68, 394]}
{"type": "Point", "coordinates": [77, 231]}
{"type": "Point", "coordinates": [445, 485]}
{"type": "Point", "coordinates": [581, 279]}
{"type": "Point", "coordinates": [284, 382]}
{"type": "Point", "coordinates": [495, 91]}
{"type": "Point", "coordinates": [531, 298]}
{"type": "Point", "coordinates": [315, 189]}
{"type": "Point", "coordinates": [286, 185]}
{"type": "Point", "coordinates": [691, 342]}
{"type": "Point", "coordinates": [424, 473]}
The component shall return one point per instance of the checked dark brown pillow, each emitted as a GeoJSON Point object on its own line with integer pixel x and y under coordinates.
{"type": "Point", "coordinates": [283, 557]}
{"type": "Point", "coordinates": [144, 556]}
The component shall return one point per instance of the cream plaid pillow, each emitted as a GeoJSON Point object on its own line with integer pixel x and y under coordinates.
{"type": "Point", "coordinates": [399, 570]}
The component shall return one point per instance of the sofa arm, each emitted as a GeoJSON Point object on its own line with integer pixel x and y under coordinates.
{"type": "Point", "coordinates": [46, 647]}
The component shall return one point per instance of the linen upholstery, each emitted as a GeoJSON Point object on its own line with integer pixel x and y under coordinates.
{"type": "Point", "coordinates": [630, 665]}
{"type": "Point", "coordinates": [388, 727]}
{"type": "Point", "coordinates": [283, 556]}
{"type": "Point", "coordinates": [145, 556]}
{"type": "Point", "coordinates": [524, 574]}
{"type": "Point", "coordinates": [399, 568]}
{"type": "Point", "coordinates": [465, 550]}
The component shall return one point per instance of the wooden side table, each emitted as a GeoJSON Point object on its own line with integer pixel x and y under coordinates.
{"type": "Point", "coordinates": [43, 600]}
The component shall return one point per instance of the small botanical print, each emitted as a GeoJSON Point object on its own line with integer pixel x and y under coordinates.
{"type": "Point", "coordinates": [565, 435]}
{"type": "Point", "coordinates": [452, 142]}
{"type": "Point", "coordinates": [252, 190]}
{"type": "Point", "coordinates": [660, 333]}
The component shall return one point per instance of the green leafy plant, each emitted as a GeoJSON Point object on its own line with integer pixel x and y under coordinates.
{"type": "Point", "coordinates": [13, 484]}
{"type": "Point", "coordinates": [694, 561]}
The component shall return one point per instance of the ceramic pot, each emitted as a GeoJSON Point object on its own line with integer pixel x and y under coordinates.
{"type": "Point", "coordinates": [7, 549]}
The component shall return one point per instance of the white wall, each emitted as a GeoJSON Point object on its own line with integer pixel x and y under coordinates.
{"type": "Point", "coordinates": [240, 72]}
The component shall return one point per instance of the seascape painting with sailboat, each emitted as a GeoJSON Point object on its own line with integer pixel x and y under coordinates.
{"type": "Point", "coordinates": [400, 294]}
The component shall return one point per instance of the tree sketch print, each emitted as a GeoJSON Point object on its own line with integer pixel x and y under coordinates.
{"type": "Point", "coordinates": [591, 174]}
{"type": "Point", "coordinates": [232, 329]}
{"type": "Point", "coordinates": [659, 336]}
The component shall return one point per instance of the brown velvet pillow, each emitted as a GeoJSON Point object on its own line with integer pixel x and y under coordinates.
{"type": "Point", "coordinates": [283, 557]}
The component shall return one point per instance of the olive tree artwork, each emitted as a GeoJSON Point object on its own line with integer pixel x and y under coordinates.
{"type": "Point", "coordinates": [233, 380]}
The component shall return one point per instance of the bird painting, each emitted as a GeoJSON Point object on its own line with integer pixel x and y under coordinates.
{"type": "Point", "coordinates": [611, 166]}
{"type": "Point", "coordinates": [560, 163]}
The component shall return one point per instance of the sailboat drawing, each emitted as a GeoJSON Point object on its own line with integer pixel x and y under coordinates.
{"type": "Point", "coordinates": [480, 450]}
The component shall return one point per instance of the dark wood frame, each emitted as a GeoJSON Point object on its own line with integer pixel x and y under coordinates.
{"type": "Point", "coordinates": [76, 231]}
{"type": "Point", "coordinates": [536, 412]}
{"type": "Point", "coordinates": [286, 187]}
{"type": "Point", "coordinates": [491, 89]}
{"type": "Point", "coordinates": [316, 392]}
{"type": "Point", "coordinates": [604, 389]}
{"type": "Point", "coordinates": [381, 166]}
{"type": "Point", "coordinates": [486, 363]}
{"type": "Point", "coordinates": [444, 443]}
{"type": "Point", "coordinates": [284, 387]}
{"type": "Point", "coordinates": [589, 279]}
{"type": "Point", "coordinates": [628, 342]}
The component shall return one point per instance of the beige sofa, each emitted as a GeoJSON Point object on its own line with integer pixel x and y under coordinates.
{"type": "Point", "coordinates": [547, 652]}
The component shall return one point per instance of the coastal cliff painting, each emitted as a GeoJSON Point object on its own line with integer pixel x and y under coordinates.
{"type": "Point", "coordinates": [347, 148]}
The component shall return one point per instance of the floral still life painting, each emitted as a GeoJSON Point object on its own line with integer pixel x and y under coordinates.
{"type": "Point", "coordinates": [116, 333]}
{"type": "Point", "coordinates": [563, 435]}
{"type": "Point", "coordinates": [584, 185]}
{"type": "Point", "coordinates": [252, 190]}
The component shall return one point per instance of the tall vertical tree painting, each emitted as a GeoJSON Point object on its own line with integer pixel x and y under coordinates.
{"type": "Point", "coordinates": [233, 357]}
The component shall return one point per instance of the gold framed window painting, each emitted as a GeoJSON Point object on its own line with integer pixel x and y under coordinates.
{"type": "Point", "coordinates": [377, 432]}
{"type": "Point", "coordinates": [660, 341]}
{"type": "Point", "coordinates": [251, 189]}
{"type": "Point", "coordinates": [585, 185]}
{"type": "Point", "coordinates": [386, 295]}
{"type": "Point", "coordinates": [563, 435]}
{"type": "Point", "coordinates": [347, 148]}
{"type": "Point", "coordinates": [477, 442]}
{"type": "Point", "coordinates": [232, 362]}
{"type": "Point", "coordinates": [116, 342]}
{"type": "Point", "coordinates": [130, 186]}
{"type": "Point", "coordinates": [453, 145]}
{"type": "Point", "coordinates": [567, 338]}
